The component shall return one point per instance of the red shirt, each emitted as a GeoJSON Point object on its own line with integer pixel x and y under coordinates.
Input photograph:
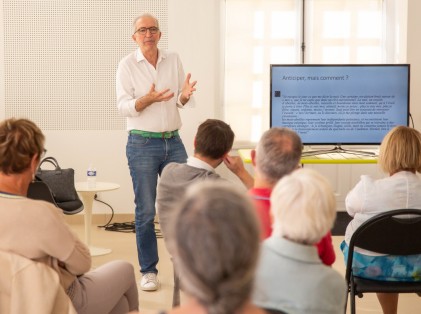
{"type": "Point", "coordinates": [261, 198]}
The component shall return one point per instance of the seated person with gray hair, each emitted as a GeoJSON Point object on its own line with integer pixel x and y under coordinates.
{"type": "Point", "coordinates": [214, 240]}
{"type": "Point", "coordinates": [277, 154]}
{"type": "Point", "coordinates": [290, 275]}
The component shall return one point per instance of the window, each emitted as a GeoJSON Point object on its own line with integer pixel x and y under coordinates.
{"type": "Point", "coordinates": [345, 32]}
{"type": "Point", "coordinates": [260, 33]}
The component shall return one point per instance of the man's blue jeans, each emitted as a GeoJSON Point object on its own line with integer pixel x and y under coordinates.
{"type": "Point", "coordinates": [147, 157]}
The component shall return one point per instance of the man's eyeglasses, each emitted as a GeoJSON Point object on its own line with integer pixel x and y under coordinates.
{"type": "Point", "coordinates": [44, 152]}
{"type": "Point", "coordinates": [143, 30]}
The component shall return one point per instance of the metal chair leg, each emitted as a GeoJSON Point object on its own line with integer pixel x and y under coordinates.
{"type": "Point", "coordinates": [176, 290]}
{"type": "Point", "coordinates": [352, 296]}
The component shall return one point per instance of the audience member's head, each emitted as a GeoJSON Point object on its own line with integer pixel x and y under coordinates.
{"type": "Point", "coordinates": [303, 207]}
{"type": "Point", "coordinates": [21, 143]}
{"type": "Point", "coordinates": [278, 153]}
{"type": "Point", "coordinates": [214, 139]}
{"type": "Point", "coordinates": [401, 150]}
{"type": "Point", "coordinates": [215, 243]}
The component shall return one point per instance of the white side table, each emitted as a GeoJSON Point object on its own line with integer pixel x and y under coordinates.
{"type": "Point", "coordinates": [88, 195]}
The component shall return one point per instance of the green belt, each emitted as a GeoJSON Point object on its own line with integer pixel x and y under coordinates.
{"type": "Point", "coordinates": [155, 134]}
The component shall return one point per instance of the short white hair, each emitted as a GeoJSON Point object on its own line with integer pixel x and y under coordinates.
{"type": "Point", "coordinates": [303, 206]}
{"type": "Point", "coordinates": [148, 15]}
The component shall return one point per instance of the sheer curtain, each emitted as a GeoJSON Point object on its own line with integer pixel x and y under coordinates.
{"type": "Point", "coordinates": [260, 33]}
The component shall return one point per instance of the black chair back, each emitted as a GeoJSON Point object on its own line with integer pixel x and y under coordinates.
{"type": "Point", "coordinates": [396, 232]}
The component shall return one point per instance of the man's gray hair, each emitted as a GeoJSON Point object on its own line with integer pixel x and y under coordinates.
{"type": "Point", "coordinates": [278, 153]}
{"type": "Point", "coordinates": [142, 16]}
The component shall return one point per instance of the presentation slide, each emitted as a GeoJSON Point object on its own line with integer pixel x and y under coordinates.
{"type": "Point", "coordinates": [352, 104]}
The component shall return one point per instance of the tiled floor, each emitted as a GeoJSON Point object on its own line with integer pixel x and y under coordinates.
{"type": "Point", "coordinates": [123, 247]}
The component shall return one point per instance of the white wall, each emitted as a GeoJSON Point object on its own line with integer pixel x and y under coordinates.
{"type": "Point", "coordinates": [413, 58]}
{"type": "Point", "coordinates": [195, 34]}
{"type": "Point", "coordinates": [195, 37]}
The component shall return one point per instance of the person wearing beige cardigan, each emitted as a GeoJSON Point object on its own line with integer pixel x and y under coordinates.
{"type": "Point", "coordinates": [37, 230]}
{"type": "Point", "coordinates": [22, 277]}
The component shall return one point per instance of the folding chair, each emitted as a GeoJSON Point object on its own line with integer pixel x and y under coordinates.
{"type": "Point", "coordinates": [397, 232]}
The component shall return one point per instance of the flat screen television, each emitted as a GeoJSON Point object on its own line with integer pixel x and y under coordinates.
{"type": "Point", "coordinates": [352, 104]}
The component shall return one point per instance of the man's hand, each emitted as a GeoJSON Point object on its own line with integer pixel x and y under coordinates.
{"type": "Point", "coordinates": [188, 89]}
{"type": "Point", "coordinates": [153, 96]}
{"type": "Point", "coordinates": [235, 164]}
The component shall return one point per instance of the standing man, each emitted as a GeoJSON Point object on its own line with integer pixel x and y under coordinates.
{"type": "Point", "coordinates": [151, 86]}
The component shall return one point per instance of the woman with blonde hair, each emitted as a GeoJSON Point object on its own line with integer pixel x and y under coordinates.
{"type": "Point", "coordinates": [214, 239]}
{"type": "Point", "coordinates": [400, 158]}
{"type": "Point", "coordinates": [37, 230]}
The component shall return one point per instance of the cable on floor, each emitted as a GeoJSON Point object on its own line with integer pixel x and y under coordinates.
{"type": "Point", "coordinates": [112, 211]}
{"type": "Point", "coordinates": [127, 227]}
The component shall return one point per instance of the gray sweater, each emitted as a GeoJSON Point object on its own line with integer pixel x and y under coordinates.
{"type": "Point", "coordinates": [290, 277]}
{"type": "Point", "coordinates": [175, 179]}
